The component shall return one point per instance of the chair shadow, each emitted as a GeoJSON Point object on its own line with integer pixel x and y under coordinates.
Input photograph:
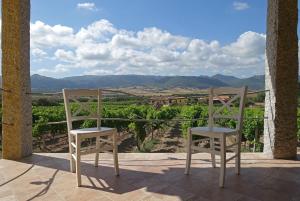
{"type": "Point", "coordinates": [272, 182]}
{"type": "Point", "coordinates": [16, 177]}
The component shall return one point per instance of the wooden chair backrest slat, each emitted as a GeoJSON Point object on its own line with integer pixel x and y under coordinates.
{"type": "Point", "coordinates": [235, 94]}
{"type": "Point", "coordinates": [75, 94]}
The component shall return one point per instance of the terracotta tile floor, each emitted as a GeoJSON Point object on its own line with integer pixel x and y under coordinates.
{"type": "Point", "coordinates": [148, 177]}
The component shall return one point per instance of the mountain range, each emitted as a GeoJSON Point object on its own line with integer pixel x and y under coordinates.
{"type": "Point", "coordinates": [43, 83]}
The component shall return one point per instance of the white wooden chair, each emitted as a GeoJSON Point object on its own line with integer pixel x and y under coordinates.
{"type": "Point", "coordinates": [217, 136]}
{"type": "Point", "coordinates": [76, 136]}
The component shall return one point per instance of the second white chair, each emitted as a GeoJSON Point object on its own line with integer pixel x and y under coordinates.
{"type": "Point", "coordinates": [217, 136]}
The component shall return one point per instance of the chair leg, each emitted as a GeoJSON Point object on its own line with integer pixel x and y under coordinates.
{"type": "Point", "coordinates": [78, 171]}
{"type": "Point", "coordinates": [213, 157]}
{"type": "Point", "coordinates": [223, 161]}
{"type": "Point", "coordinates": [238, 157]}
{"type": "Point", "coordinates": [97, 152]}
{"type": "Point", "coordinates": [71, 151]}
{"type": "Point", "coordinates": [115, 153]}
{"type": "Point", "coordinates": [188, 152]}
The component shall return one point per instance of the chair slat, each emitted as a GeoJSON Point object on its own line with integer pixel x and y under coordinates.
{"type": "Point", "coordinates": [80, 92]}
{"type": "Point", "coordinates": [228, 91]}
{"type": "Point", "coordinates": [228, 104]}
{"type": "Point", "coordinates": [74, 157]}
{"type": "Point", "coordinates": [232, 157]}
{"type": "Point", "coordinates": [232, 145]}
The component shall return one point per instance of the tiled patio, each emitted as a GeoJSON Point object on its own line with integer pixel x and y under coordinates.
{"type": "Point", "coordinates": [157, 176]}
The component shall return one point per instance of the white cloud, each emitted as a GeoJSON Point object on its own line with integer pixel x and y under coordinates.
{"type": "Point", "coordinates": [52, 72]}
{"type": "Point", "coordinates": [237, 5]}
{"type": "Point", "coordinates": [42, 35]}
{"type": "Point", "coordinates": [38, 53]}
{"type": "Point", "coordinates": [249, 44]}
{"type": "Point", "coordinates": [87, 6]}
{"type": "Point", "coordinates": [101, 48]}
{"type": "Point", "coordinates": [65, 56]}
{"type": "Point", "coordinates": [58, 69]}
{"type": "Point", "coordinates": [101, 30]}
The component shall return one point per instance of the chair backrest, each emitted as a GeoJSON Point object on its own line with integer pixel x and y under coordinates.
{"type": "Point", "coordinates": [227, 97]}
{"type": "Point", "coordinates": [77, 95]}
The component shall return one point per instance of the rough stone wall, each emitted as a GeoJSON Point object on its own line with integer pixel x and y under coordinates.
{"type": "Point", "coordinates": [280, 134]}
{"type": "Point", "coordinates": [16, 105]}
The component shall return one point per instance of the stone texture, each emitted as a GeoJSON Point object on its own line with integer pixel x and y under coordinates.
{"type": "Point", "coordinates": [16, 105]}
{"type": "Point", "coordinates": [281, 79]}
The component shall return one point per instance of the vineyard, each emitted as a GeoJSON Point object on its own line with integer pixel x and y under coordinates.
{"type": "Point", "coordinates": [142, 127]}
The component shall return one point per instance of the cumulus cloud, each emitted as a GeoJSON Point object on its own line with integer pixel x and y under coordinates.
{"type": "Point", "coordinates": [38, 53]}
{"type": "Point", "coordinates": [58, 69]}
{"type": "Point", "coordinates": [237, 5]}
{"type": "Point", "coordinates": [87, 6]}
{"type": "Point", "coordinates": [101, 30]}
{"type": "Point", "coordinates": [64, 55]}
{"type": "Point", "coordinates": [43, 35]}
{"type": "Point", "coordinates": [249, 44]}
{"type": "Point", "coordinates": [101, 48]}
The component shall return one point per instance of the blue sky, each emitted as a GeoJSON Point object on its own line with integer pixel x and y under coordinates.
{"type": "Point", "coordinates": [161, 37]}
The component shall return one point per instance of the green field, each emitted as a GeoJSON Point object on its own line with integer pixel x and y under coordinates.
{"type": "Point", "coordinates": [141, 120]}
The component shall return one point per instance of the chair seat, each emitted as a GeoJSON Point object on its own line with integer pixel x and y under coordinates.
{"type": "Point", "coordinates": [212, 132]}
{"type": "Point", "coordinates": [92, 131]}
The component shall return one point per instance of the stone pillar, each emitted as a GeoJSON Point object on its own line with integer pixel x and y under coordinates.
{"type": "Point", "coordinates": [280, 132]}
{"type": "Point", "coordinates": [16, 105]}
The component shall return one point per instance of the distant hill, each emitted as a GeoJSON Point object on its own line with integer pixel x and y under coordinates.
{"type": "Point", "coordinates": [200, 82]}
{"type": "Point", "coordinates": [112, 81]}
{"type": "Point", "coordinates": [226, 78]}
{"type": "Point", "coordinates": [43, 83]}
{"type": "Point", "coordinates": [254, 82]}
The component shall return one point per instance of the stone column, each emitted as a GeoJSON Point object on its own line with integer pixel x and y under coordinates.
{"type": "Point", "coordinates": [16, 103]}
{"type": "Point", "coordinates": [280, 132]}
